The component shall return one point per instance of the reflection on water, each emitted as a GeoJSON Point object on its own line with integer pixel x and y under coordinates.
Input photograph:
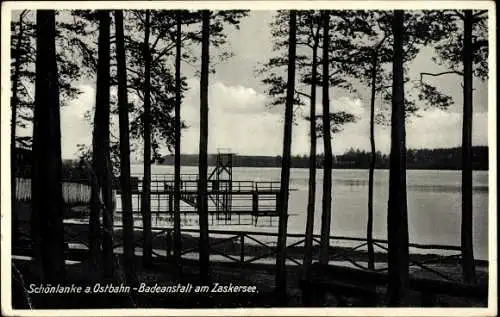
{"type": "Point", "coordinates": [416, 187]}
{"type": "Point", "coordinates": [434, 202]}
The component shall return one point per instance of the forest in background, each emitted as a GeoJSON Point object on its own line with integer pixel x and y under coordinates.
{"type": "Point", "coordinates": [426, 159]}
{"type": "Point", "coordinates": [448, 159]}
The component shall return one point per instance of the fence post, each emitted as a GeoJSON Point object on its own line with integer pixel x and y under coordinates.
{"type": "Point", "coordinates": [169, 243]}
{"type": "Point", "coordinates": [242, 248]}
{"type": "Point", "coordinates": [255, 202]}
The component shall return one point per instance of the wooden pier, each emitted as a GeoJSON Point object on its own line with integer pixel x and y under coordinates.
{"type": "Point", "coordinates": [230, 201]}
{"type": "Point", "coordinates": [257, 200]}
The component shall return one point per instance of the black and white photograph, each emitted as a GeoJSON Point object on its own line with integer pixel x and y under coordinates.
{"type": "Point", "coordinates": [248, 158]}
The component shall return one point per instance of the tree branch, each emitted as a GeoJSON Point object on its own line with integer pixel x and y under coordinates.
{"type": "Point", "coordinates": [480, 43]}
{"type": "Point", "coordinates": [187, 62]}
{"type": "Point", "coordinates": [160, 36]}
{"type": "Point", "coordinates": [135, 72]}
{"type": "Point", "coordinates": [479, 13]}
{"type": "Point", "coordinates": [440, 74]}
{"type": "Point", "coordinates": [164, 51]}
{"type": "Point", "coordinates": [27, 91]}
{"type": "Point", "coordinates": [336, 72]}
{"type": "Point", "coordinates": [459, 14]}
{"type": "Point", "coordinates": [302, 94]}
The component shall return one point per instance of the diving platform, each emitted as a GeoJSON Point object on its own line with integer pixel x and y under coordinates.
{"type": "Point", "coordinates": [232, 202]}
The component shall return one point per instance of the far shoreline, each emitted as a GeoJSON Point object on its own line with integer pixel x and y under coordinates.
{"type": "Point", "coordinates": [318, 168]}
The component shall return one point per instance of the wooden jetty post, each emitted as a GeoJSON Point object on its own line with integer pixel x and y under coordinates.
{"type": "Point", "coordinates": [171, 203]}
{"type": "Point", "coordinates": [255, 202]}
{"type": "Point", "coordinates": [242, 248]}
{"type": "Point", "coordinates": [255, 206]}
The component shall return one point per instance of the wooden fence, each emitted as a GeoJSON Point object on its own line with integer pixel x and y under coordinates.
{"type": "Point", "coordinates": [342, 249]}
{"type": "Point", "coordinates": [248, 248]}
{"type": "Point", "coordinates": [73, 192]}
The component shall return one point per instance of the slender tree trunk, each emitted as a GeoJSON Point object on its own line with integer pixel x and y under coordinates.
{"type": "Point", "coordinates": [369, 226]}
{"type": "Point", "coordinates": [95, 202]}
{"type": "Point", "coordinates": [126, 188]}
{"type": "Point", "coordinates": [397, 214]}
{"type": "Point", "coordinates": [102, 102]}
{"type": "Point", "coordinates": [177, 163]}
{"type": "Point", "coordinates": [466, 240]}
{"type": "Point", "coordinates": [146, 184]}
{"type": "Point", "coordinates": [326, 216]}
{"type": "Point", "coordinates": [101, 173]}
{"type": "Point", "coordinates": [285, 163]}
{"type": "Point", "coordinates": [311, 199]}
{"type": "Point", "coordinates": [46, 183]}
{"type": "Point", "coordinates": [202, 199]}
{"type": "Point", "coordinates": [13, 124]}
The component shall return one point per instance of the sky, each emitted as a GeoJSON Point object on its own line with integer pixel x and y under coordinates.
{"type": "Point", "coordinates": [239, 119]}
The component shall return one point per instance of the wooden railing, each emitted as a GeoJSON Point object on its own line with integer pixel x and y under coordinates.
{"type": "Point", "coordinates": [165, 183]}
{"type": "Point", "coordinates": [249, 247]}
{"type": "Point", "coordinates": [264, 243]}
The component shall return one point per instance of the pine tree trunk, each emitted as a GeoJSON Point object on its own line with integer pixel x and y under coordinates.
{"type": "Point", "coordinates": [369, 226]}
{"type": "Point", "coordinates": [177, 163]}
{"type": "Point", "coordinates": [95, 204]}
{"type": "Point", "coordinates": [125, 182]}
{"type": "Point", "coordinates": [103, 98]}
{"type": "Point", "coordinates": [397, 214]}
{"type": "Point", "coordinates": [311, 199]}
{"type": "Point", "coordinates": [146, 184]}
{"type": "Point", "coordinates": [202, 198]}
{"type": "Point", "coordinates": [46, 185]}
{"type": "Point", "coordinates": [466, 239]}
{"type": "Point", "coordinates": [285, 163]}
{"type": "Point", "coordinates": [101, 173]}
{"type": "Point", "coordinates": [326, 216]}
{"type": "Point", "coordinates": [13, 124]}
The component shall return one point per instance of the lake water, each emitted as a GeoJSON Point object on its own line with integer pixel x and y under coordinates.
{"type": "Point", "coordinates": [434, 202]}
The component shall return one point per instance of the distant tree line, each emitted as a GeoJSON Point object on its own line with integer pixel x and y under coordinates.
{"type": "Point", "coordinates": [442, 158]}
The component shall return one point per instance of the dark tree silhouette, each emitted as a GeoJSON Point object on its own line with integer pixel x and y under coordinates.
{"type": "Point", "coordinates": [397, 214]}
{"type": "Point", "coordinates": [464, 52]}
{"type": "Point", "coordinates": [23, 50]}
{"type": "Point", "coordinates": [13, 124]}
{"type": "Point", "coordinates": [285, 163]}
{"type": "Point", "coordinates": [466, 237]}
{"type": "Point", "coordinates": [211, 34]}
{"type": "Point", "coordinates": [202, 198]}
{"type": "Point", "coordinates": [309, 26]}
{"type": "Point", "coordinates": [375, 70]}
{"type": "Point", "coordinates": [314, 19]}
{"type": "Point", "coordinates": [369, 225]}
{"type": "Point", "coordinates": [125, 182]}
{"type": "Point", "coordinates": [177, 124]}
{"type": "Point", "coordinates": [101, 161]}
{"type": "Point", "coordinates": [420, 29]}
{"type": "Point", "coordinates": [47, 199]}
{"type": "Point", "coordinates": [146, 181]}
{"type": "Point", "coordinates": [326, 215]}
{"type": "Point", "coordinates": [160, 48]}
